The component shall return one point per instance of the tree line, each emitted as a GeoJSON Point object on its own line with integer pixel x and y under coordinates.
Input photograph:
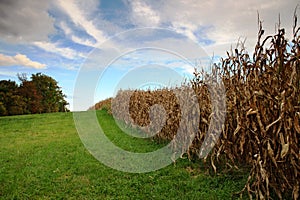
{"type": "Point", "coordinates": [39, 94]}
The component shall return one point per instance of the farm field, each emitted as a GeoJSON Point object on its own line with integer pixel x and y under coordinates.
{"type": "Point", "coordinates": [42, 157]}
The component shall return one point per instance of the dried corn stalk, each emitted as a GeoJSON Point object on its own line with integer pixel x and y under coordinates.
{"type": "Point", "coordinates": [262, 126]}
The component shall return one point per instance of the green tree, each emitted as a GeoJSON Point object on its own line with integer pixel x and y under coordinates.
{"type": "Point", "coordinates": [40, 94]}
{"type": "Point", "coordinates": [52, 95]}
{"type": "Point", "coordinates": [11, 103]}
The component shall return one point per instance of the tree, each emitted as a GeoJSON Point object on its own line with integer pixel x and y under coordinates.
{"type": "Point", "coordinates": [11, 103]}
{"type": "Point", "coordinates": [40, 94]}
{"type": "Point", "coordinates": [31, 97]}
{"type": "Point", "coordinates": [2, 109]}
{"type": "Point", "coordinates": [52, 95]}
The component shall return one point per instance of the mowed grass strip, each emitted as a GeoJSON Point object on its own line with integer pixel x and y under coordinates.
{"type": "Point", "coordinates": [42, 157]}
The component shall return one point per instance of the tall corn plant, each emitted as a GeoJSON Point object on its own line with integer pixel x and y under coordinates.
{"type": "Point", "coordinates": [262, 126]}
{"type": "Point", "coordinates": [263, 113]}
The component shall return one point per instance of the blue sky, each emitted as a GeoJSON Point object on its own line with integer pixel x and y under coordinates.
{"type": "Point", "coordinates": [65, 38]}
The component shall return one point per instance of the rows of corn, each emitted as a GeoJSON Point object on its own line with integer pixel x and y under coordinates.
{"type": "Point", "coordinates": [262, 114]}
{"type": "Point", "coordinates": [105, 104]}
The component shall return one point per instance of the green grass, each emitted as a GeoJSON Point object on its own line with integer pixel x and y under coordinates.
{"type": "Point", "coordinates": [42, 157]}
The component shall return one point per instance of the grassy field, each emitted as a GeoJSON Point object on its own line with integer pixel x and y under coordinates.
{"type": "Point", "coordinates": [42, 157]}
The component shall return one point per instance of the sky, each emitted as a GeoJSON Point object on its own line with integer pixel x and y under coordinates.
{"type": "Point", "coordinates": [94, 46]}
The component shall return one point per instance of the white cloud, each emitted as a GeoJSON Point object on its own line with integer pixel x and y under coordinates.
{"type": "Point", "coordinates": [76, 14]}
{"type": "Point", "coordinates": [21, 60]}
{"type": "Point", "coordinates": [55, 48]}
{"type": "Point", "coordinates": [181, 65]}
{"type": "Point", "coordinates": [186, 29]}
{"type": "Point", "coordinates": [144, 15]}
{"type": "Point", "coordinates": [65, 28]}
{"type": "Point", "coordinates": [223, 22]}
{"type": "Point", "coordinates": [88, 7]}
{"type": "Point", "coordinates": [82, 41]}
{"type": "Point", "coordinates": [79, 40]}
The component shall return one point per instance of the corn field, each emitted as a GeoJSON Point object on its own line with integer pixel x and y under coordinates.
{"type": "Point", "coordinates": [105, 104]}
{"type": "Point", "coordinates": [262, 115]}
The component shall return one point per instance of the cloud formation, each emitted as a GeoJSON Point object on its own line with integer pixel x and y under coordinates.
{"type": "Point", "coordinates": [25, 20]}
{"type": "Point", "coordinates": [143, 14]}
{"type": "Point", "coordinates": [20, 60]}
{"type": "Point", "coordinates": [79, 18]}
{"type": "Point", "coordinates": [70, 29]}
{"type": "Point", "coordinates": [55, 48]}
{"type": "Point", "coordinates": [222, 23]}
